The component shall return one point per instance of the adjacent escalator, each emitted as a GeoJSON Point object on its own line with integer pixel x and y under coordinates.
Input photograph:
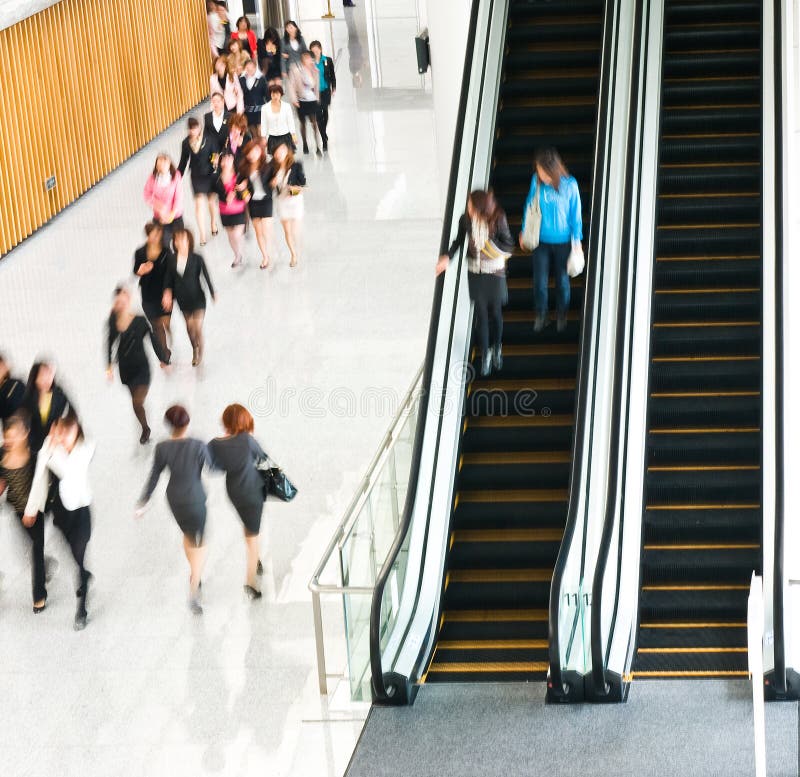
{"type": "Point", "coordinates": [702, 514]}
{"type": "Point", "coordinates": [514, 462]}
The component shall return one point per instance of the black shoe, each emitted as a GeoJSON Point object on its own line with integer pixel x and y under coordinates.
{"type": "Point", "coordinates": [81, 616]}
{"type": "Point", "coordinates": [145, 438]}
{"type": "Point", "coordinates": [561, 322]}
{"type": "Point", "coordinates": [194, 606]}
{"type": "Point", "coordinates": [325, 147]}
{"type": "Point", "coordinates": [259, 568]}
{"type": "Point", "coordinates": [253, 593]}
{"type": "Point", "coordinates": [540, 323]}
{"type": "Point", "coordinates": [486, 363]}
{"type": "Point", "coordinates": [497, 358]}
{"type": "Point", "coordinates": [305, 149]}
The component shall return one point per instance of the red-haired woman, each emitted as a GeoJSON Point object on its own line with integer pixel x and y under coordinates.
{"type": "Point", "coordinates": [257, 172]}
{"type": "Point", "coordinates": [163, 192]}
{"type": "Point", "coordinates": [237, 454]}
{"type": "Point", "coordinates": [232, 193]}
{"type": "Point", "coordinates": [489, 244]}
{"type": "Point", "coordinates": [225, 80]}
{"type": "Point", "coordinates": [238, 137]}
{"type": "Point", "coordinates": [185, 459]}
{"type": "Point", "coordinates": [289, 181]}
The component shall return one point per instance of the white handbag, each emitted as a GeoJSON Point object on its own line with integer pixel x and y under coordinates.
{"type": "Point", "coordinates": [533, 222]}
{"type": "Point", "coordinates": [575, 261]}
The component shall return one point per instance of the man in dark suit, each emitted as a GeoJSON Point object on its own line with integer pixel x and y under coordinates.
{"type": "Point", "coordinates": [12, 391]}
{"type": "Point", "coordinates": [215, 122]}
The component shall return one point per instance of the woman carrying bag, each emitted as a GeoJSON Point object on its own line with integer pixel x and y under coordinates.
{"type": "Point", "coordinates": [552, 228]}
{"type": "Point", "coordinates": [489, 245]}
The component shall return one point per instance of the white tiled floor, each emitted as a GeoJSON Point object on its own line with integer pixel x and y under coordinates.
{"type": "Point", "coordinates": [148, 689]}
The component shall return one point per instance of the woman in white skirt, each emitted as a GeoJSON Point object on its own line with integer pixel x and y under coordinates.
{"type": "Point", "coordinates": [289, 181]}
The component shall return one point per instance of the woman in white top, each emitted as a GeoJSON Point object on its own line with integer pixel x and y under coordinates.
{"type": "Point", "coordinates": [66, 456]}
{"type": "Point", "coordinates": [289, 180]}
{"type": "Point", "coordinates": [277, 121]}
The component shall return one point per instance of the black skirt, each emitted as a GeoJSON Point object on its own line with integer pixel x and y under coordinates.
{"type": "Point", "coordinates": [250, 515]}
{"type": "Point", "coordinates": [140, 377]}
{"type": "Point", "coordinates": [273, 141]}
{"type": "Point", "coordinates": [153, 310]}
{"type": "Point", "coordinates": [191, 520]}
{"type": "Point", "coordinates": [260, 209]}
{"type": "Point", "coordinates": [233, 219]}
{"type": "Point", "coordinates": [202, 184]}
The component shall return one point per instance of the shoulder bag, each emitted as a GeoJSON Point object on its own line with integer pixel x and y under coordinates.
{"type": "Point", "coordinates": [533, 222]}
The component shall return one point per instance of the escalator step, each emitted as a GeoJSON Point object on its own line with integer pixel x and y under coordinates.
{"type": "Point", "coordinates": [690, 660]}
{"type": "Point", "coordinates": [686, 482]}
{"type": "Point", "coordinates": [687, 634]}
{"type": "Point", "coordinates": [715, 602]}
{"type": "Point", "coordinates": [714, 410]}
{"type": "Point", "coordinates": [494, 624]}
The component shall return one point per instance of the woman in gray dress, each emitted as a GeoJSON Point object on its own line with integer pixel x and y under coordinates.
{"type": "Point", "coordinates": [185, 458]}
{"type": "Point", "coordinates": [237, 454]}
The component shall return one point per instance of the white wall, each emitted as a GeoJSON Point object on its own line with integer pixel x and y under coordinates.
{"type": "Point", "coordinates": [448, 24]}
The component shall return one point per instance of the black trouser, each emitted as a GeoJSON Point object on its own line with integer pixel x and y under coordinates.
{"type": "Point", "coordinates": [488, 294]}
{"type": "Point", "coordinates": [168, 229]}
{"type": "Point", "coordinates": [36, 533]}
{"type": "Point", "coordinates": [322, 117]}
{"type": "Point", "coordinates": [76, 526]}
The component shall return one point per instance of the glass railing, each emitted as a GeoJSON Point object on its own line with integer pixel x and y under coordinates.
{"type": "Point", "coordinates": [360, 545]}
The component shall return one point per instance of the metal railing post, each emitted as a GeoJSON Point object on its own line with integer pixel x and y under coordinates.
{"type": "Point", "coordinates": [322, 673]}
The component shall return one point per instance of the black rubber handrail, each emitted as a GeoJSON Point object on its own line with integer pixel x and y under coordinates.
{"type": "Point", "coordinates": [379, 690]}
{"type": "Point", "coordinates": [557, 688]}
{"type": "Point", "coordinates": [779, 682]}
{"type": "Point", "coordinates": [599, 655]}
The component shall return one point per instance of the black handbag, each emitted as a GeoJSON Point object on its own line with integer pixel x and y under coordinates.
{"type": "Point", "coordinates": [275, 482]}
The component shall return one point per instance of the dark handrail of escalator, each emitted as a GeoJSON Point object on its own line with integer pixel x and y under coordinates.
{"type": "Point", "coordinates": [779, 682]}
{"type": "Point", "coordinates": [555, 683]}
{"type": "Point", "coordinates": [600, 686]}
{"type": "Point", "coordinates": [378, 685]}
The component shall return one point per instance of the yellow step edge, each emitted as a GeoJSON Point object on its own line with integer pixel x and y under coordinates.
{"type": "Point", "coordinates": [514, 495]}
{"type": "Point", "coordinates": [522, 316]}
{"type": "Point", "coordinates": [743, 290]}
{"type": "Point", "coordinates": [694, 79]}
{"type": "Point", "coordinates": [709, 625]}
{"type": "Point", "coordinates": [499, 385]}
{"type": "Point", "coordinates": [705, 25]}
{"type": "Point", "coordinates": [500, 644]}
{"type": "Point", "coordinates": [738, 225]}
{"type": "Point", "coordinates": [507, 535]}
{"type": "Point", "coordinates": [689, 165]}
{"type": "Point", "coordinates": [681, 52]}
{"type": "Point", "coordinates": [687, 394]}
{"type": "Point", "coordinates": [537, 350]}
{"type": "Point", "coordinates": [720, 106]}
{"type": "Point", "coordinates": [673, 359]}
{"type": "Point", "coordinates": [703, 324]}
{"type": "Point", "coordinates": [490, 666]}
{"type": "Point", "coordinates": [699, 587]}
{"type": "Point", "coordinates": [709, 430]}
{"type": "Point", "coordinates": [547, 102]}
{"type": "Point", "coordinates": [709, 135]}
{"type": "Point", "coordinates": [708, 468]}
{"type": "Point", "coordinates": [500, 575]}
{"type": "Point", "coordinates": [720, 257]}
{"type": "Point", "coordinates": [705, 546]}
{"type": "Point", "coordinates": [707, 195]}
{"type": "Point", "coordinates": [492, 422]}
{"type": "Point", "coordinates": [645, 675]}
{"type": "Point", "coordinates": [530, 457]}
{"type": "Point", "coordinates": [693, 650]}
{"type": "Point", "coordinates": [743, 506]}
{"type": "Point", "coordinates": [494, 616]}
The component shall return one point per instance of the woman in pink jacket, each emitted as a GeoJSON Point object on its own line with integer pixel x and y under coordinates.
{"type": "Point", "coordinates": [163, 192]}
{"type": "Point", "coordinates": [225, 81]}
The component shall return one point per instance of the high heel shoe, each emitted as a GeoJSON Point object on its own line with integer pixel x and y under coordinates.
{"type": "Point", "coordinates": [214, 232]}
{"type": "Point", "coordinates": [259, 568]}
{"type": "Point", "coordinates": [41, 607]}
{"type": "Point", "coordinates": [253, 593]}
{"type": "Point", "coordinates": [145, 438]}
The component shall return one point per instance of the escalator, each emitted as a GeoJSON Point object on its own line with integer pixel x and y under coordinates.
{"type": "Point", "coordinates": [702, 512]}
{"type": "Point", "coordinates": [512, 484]}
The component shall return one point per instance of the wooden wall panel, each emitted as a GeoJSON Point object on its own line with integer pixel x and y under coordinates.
{"type": "Point", "coordinates": [113, 74]}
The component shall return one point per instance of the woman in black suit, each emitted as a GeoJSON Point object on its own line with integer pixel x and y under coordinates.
{"type": "Point", "coordinates": [183, 285]}
{"type": "Point", "coordinates": [200, 152]}
{"type": "Point", "coordinates": [130, 331]}
{"type": "Point", "coordinates": [46, 402]}
{"type": "Point", "coordinates": [150, 266]}
{"type": "Point", "coordinates": [258, 174]}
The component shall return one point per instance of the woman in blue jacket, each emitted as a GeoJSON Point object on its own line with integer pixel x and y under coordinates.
{"type": "Point", "coordinates": [561, 228]}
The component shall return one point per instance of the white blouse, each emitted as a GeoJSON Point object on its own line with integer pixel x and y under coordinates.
{"type": "Point", "coordinates": [276, 124]}
{"type": "Point", "coordinates": [72, 471]}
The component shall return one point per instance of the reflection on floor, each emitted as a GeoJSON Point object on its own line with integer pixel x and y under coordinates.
{"type": "Point", "coordinates": [147, 689]}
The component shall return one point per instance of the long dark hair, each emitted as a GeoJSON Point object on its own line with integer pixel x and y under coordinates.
{"type": "Point", "coordinates": [550, 161]}
{"type": "Point", "coordinates": [298, 37]}
{"type": "Point", "coordinates": [271, 34]}
{"type": "Point", "coordinates": [31, 392]}
{"type": "Point", "coordinates": [246, 168]}
{"type": "Point", "coordinates": [485, 206]}
{"type": "Point", "coordinates": [70, 419]}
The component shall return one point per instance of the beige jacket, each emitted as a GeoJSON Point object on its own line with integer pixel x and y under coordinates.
{"type": "Point", "coordinates": [296, 78]}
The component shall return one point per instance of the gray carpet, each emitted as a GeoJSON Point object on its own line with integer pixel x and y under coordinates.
{"type": "Point", "coordinates": [666, 729]}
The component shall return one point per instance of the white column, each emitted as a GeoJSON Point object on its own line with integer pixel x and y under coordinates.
{"type": "Point", "coordinates": [448, 25]}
